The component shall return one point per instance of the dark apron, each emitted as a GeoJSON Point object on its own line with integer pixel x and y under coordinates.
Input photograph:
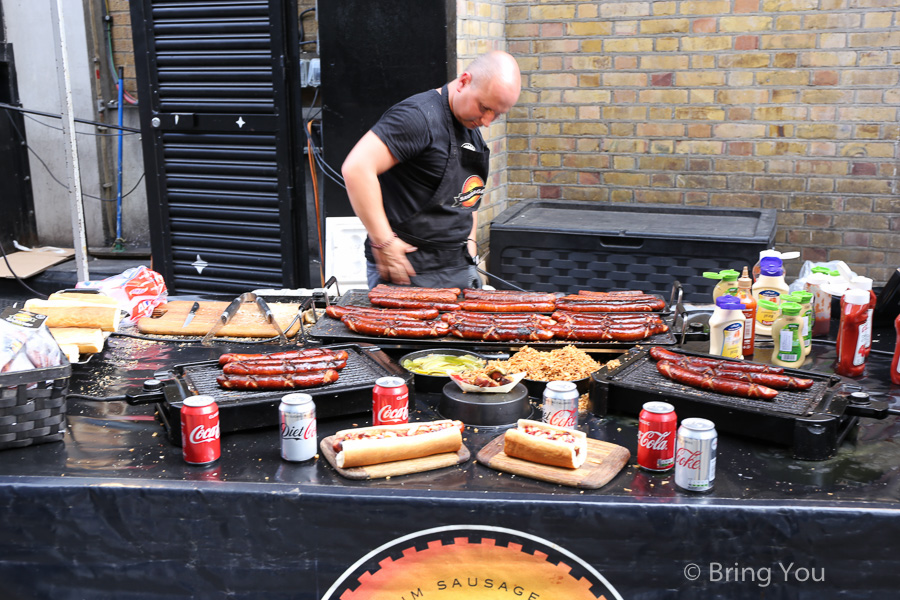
{"type": "Point", "coordinates": [449, 211]}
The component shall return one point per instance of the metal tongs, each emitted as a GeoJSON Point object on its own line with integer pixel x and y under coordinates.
{"type": "Point", "coordinates": [233, 308]}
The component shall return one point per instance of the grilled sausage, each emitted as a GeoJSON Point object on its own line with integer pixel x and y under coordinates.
{"type": "Point", "coordinates": [500, 332]}
{"type": "Point", "coordinates": [395, 328]}
{"type": "Point", "coordinates": [506, 307]}
{"type": "Point", "coordinates": [721, 385]}
{"type": "Point", "coordinates": [232, 357]}
{"type": "Point", "coordinates": [336, 312]}
{"type": "Point", "coordinates": [277, 382]}
{"type": "Point", "coordinates": [498, 318]}
{"type": "Point", "coordinates": [415, 293]}
{"type": "Point", "coordinates": [383, 289]}
{"type": "Point", "coordinates": [398, 302]}
{"type": "Point", "coordinates": [613, 294]}
{"type": "Point", "coordinates": [772, 380]}
{"type": "Point", "coordinates": [507, 296]}
{"type": "Point", "coordinates": [281, 366]}
{"type": "Point", "coordinates": [608, 306]}
{"type": "Point", "coordinates": [658, 353]}
{"type": "Point", "coordinates": [619, 333]}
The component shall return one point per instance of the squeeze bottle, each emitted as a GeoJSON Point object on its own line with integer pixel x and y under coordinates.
{"type": "Point", "coordinates": [804, 299]}
{"type": "Point", "coordinates": [821, 300]}
{"type": "Point", "coordinates": [786, 333]}
{"type": "Point", "coordinates": [769, 286]}
{"type": "Point", "coordinates": [895, 364]}
{"type": "Point", "coordinates": [728, 283]}
{"type": "Point", "coordinates": [726, 328]}
{"type": "Point", "coordinates": [854, 336]}
{"type": "Point", "coordinates": [865, 284]}
{"type": "Point", "coordinates": [745, 295]}
{"type": "Point", "coordinates": [783, 256]}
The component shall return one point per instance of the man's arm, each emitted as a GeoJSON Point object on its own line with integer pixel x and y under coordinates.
{"type": "Point", "coordinates": [369, 158]}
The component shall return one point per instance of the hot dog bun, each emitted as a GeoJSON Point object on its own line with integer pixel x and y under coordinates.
{"type": "Point", "coordinates": [519, 444]}
{"type": "Point", "coordinates": [361, 452]}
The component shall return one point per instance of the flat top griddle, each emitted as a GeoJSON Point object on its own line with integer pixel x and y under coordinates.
{"type": "Point", "coordinates": [328, 330]}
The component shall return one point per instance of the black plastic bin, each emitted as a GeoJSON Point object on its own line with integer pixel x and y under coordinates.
{"type": "Point", "coordinates": [569, 246]}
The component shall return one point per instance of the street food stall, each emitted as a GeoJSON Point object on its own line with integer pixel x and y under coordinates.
{"type": "Point", "coordinates": [804, 499]}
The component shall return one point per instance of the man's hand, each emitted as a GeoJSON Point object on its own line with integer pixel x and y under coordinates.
{"type": "Point", "coordinates": [392, 263]}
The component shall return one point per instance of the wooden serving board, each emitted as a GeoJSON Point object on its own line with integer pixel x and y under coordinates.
{"type": "Point", "coordinates": [604, 461]}
{"type": "Point", "coordinates": [247, 322]}
{"type": "Point", "coordinates": [399, 467]}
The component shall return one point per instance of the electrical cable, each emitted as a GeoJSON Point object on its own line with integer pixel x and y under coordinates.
{"type": "Point", "coordinates": [96, 398]}
{"type": "Point", "coordinates": [49, 126]}
{"type": "Point", "coordinates": [77, 120]}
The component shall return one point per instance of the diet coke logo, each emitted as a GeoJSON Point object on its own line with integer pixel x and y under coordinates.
{"type": "Point", "coordinates": [292, 432]}
{"type": "Point", "coordinates": [389, 414]}
{"type": "Point", "coordinates": [201, 434]}
{"type": "Point", "coordinates": [654, 440]}
{"type": "Point", "coordinates": [689, 459]}
{"type": "Point", "coordinates": [562, 418]}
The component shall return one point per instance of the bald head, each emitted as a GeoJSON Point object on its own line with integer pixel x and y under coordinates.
{"type": "Point", "coordinates": [488, 88]}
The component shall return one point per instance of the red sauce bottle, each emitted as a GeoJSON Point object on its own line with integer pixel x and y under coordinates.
{"type": "Point", "coordinates": [854, 337]}
{"type": "Point", "coordinates": [895, 364]}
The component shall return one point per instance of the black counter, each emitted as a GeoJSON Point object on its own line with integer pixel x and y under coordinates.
{"type": "Point", "coordinates": [114, 511]}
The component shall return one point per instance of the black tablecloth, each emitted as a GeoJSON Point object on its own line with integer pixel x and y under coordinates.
{"type": "Point", "coordinates": [114, 511]}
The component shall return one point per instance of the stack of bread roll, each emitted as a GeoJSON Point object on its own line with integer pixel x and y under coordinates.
{"type": "Point", "coordinates": [78, 320]}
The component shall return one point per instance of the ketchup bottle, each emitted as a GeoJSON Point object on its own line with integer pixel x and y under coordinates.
{"type": "Point", "coordinates": [854, 338]}
{"type": "Point", "coordinates": [895, 364]}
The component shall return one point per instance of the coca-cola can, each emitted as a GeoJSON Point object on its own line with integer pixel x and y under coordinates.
{"type": "Point", "coordinates": [297, 416]}
{"type": "Point", "coordinates": [390, 401]}
{"type": "Point", "coordinates": [695, 455]}
{"type": "Point", "coordinates": [560, 405]}
{"type": "Point", "coordinates": [656, 436]}
{"type": "Point", "coordinates": [200, 430]}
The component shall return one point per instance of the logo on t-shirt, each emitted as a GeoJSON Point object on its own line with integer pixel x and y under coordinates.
{"type": "Point", "coordinates": [471, 192]}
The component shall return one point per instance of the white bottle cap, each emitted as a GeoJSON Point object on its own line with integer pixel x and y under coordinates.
{"type": "Point", "coordinates": [856, 297]}
{"type": "Point", "coordinates": [782, 255]}
{"type": "Point", "coordinates": [861, 283]}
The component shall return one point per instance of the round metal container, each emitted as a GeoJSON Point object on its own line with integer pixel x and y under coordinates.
{"type": "Point", "coordinates": [536, 388]}
{"type": "Point", "coordinates": [484, 409]}
{"type": "Point", "coordinates": [433, 384]}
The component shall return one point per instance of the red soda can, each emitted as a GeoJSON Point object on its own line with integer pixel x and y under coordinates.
{"type": "Point", "coordinates": [200, 430]}
{"type": "Point", "coordinates": [560, 405]}
{"type": "Point", "coordinates": [656, 436]}
{"type": "Point", "coordinates": [390, 401]}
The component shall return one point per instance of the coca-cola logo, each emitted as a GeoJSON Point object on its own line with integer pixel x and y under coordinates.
{"type": "Point", "coordinates": [201, 434]}
{"type": "Point", "coordinates": [562, 418]}
{"type": "Point", "coordinates": [654, 440]}
{"type": "Point", "coordinates": [292, 432]}
{"type": "Point", "coordinates": [389, 414]}
{"type": "Point", "coordinates": [689, 459]}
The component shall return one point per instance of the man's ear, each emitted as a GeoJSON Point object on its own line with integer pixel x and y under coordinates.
{"type": "Point", "coordinates": [465, 79]}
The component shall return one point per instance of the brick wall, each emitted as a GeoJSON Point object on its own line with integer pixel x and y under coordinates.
{"type": "Point", "coordinates": [123, 47]}
{"type": "Point", "coordinates": [786, 104]}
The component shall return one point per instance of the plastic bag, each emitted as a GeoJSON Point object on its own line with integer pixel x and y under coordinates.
{"type": "Point", "coordinates": [836, 286]}
{"type": "Point", "coordinates": [25, 342]}
{"type": "Point", "coordinates": [139, 290]}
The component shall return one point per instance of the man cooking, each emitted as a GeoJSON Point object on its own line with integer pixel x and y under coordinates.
{"type": "Point", "coordinates": [416, 178]}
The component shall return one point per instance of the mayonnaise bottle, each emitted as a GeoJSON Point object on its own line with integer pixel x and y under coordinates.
{"type": "Point", "coordinates": [727, 284]}
{"type": "Point", "coordinates": [726, 328]}
{"type": "Point", "coordinates": [787, 335]}
{"type": "Point", "coordinates": [782, 256]}
{"type": "Point", "coordinates": [804, 299]}
{"type": "Point", "coordinates": [770, 285]}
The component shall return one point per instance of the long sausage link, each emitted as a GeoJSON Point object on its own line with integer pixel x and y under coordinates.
{"type": "Point", "coordinates": [277, 382]}
{"type": "Point", "coordinates": [712, 383]}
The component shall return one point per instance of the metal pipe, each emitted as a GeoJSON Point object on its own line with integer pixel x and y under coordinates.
{"type": "Point", "coordinates": [119, 244]}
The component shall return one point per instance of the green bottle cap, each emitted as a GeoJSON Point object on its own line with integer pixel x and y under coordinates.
{"type": "Point", "coordinates": [791, 309]}
{"type": "Point", "coordinates": [803, 297]}
{"type": "Point", "coordinates": [725, 275]}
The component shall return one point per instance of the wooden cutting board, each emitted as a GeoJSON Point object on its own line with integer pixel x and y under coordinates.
{"type": "Point", "coordinates": [247, 322]}
{"type": "Point", "coordinates": [604, 461]}
{"type": "Point", "coordinates": [399, 467]}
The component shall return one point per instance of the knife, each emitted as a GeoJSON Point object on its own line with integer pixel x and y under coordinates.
{"type": "Point", "coordinates": [226, 316]}
{"type": "Point", "coordinates": [190, 315]}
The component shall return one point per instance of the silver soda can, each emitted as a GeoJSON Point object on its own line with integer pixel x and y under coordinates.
{"type": "Point", "coordinates": [560, 404]}
{"type": "Point", "coordinates": [695, 455]}
{"type": "Point", "coordinates": [297, 415]}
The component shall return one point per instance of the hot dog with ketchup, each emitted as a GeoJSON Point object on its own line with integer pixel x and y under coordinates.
{"type": "Point", "coordinates": [546, 444]}
{"type": "Point", "coordinates": [387, 443]}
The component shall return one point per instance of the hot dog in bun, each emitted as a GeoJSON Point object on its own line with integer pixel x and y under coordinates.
{"type": "Point", "coordinates": [387, 443]}
{"type": "Point", "coordinates": [546, 444]}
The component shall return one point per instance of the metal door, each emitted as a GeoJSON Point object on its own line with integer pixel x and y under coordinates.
{"type": "Point", "coordinates": [218, 83]}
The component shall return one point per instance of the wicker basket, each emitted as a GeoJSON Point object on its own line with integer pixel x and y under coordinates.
{"type": "Point", "coordinates": [36, 415]}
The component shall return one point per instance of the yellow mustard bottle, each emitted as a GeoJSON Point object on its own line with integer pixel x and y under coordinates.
{"type": "Point", "coordinates": [804, 299]}
{"type": "Point", "coordinates": [769, 286]}
{"type": "Point", "coordinates": [787, 335]}
{"type": "Point", "coordinates": [727, 284]}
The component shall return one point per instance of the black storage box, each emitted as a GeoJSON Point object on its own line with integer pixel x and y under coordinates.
{"type": "Point", "coordinates": [559, 246]}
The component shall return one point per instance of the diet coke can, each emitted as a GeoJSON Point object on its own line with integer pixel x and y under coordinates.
{"type": "Point", "coordinates": [200, 430]}
{"type": "Point", "coordinates": [695, 455]}
{"type": "Point", "coordinates": [297, 416]}
{"type": "Point", "coordinates": [560, 404]}
{"type": "Point", "coordinates": [656, 436]}
{"type": "Point", "coordinates": [390, 401]}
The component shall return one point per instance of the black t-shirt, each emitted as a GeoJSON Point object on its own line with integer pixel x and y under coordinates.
{"type": "Point", "coordinates": [415, 131]}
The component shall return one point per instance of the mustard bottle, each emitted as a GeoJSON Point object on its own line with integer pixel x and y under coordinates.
{"type": "Point", "coordinates": [769, 286]}
{"type": "Point", "coordinates": [804, 299]}
{"type": "Point", "coordinates": [786, 333]}
{"type": "Point", "coordinates": [727, 284]}
{"type": "Point", "coordinates": [726, 328]}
